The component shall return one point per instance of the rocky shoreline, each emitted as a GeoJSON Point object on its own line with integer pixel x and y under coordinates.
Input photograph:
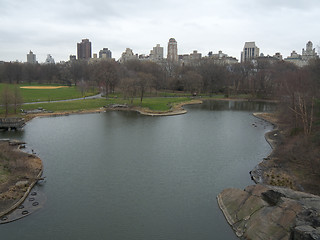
{"type": "Point", "coordinates": [264, 211]}
{"type": "Point", "coordinates": [269, 212]}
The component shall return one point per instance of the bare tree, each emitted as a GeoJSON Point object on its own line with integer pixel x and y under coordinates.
{"type": "Point", "coordinates": [6, 99]}
{"type": "Point", "coordinates": [129, 88]}
{"type": "Point", "coordinates": [192, 82]}
{"type": "Point", "coordinates": [299, 92]}
{"type": "Point", "coordinates": [143, 81]}
{"type": "Point", "coordinates": [83, 87]}
{"type": "Point", "coordinates": [17, 98]}
{"type": "Point", "coordinates": [106, 74]}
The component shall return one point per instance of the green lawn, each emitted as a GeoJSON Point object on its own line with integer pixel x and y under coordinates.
{"type": "Point", "coordinates": [42, 95]}
{"type": "Point", "coordinates": [155, 104]}
{"type": "Point", "coordinates": [84, 104]}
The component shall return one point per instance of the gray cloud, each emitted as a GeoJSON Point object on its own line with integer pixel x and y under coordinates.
{"type": "Point", "coordinates": [207, 25]}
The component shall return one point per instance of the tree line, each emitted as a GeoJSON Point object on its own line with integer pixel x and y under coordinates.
{"type": "Point", "coordinates": [261, 78]}
{"type": "Point", "coordinates": [297, 88]}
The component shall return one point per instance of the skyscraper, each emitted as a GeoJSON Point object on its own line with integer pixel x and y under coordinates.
{"type": "Point", "coordinates": [250, 51]}
{"type": "Point", "coordinates": [49, 59]}
{"type": "Point", "coordinates": [309, 53]}
{"type": "Point", "coordinates": [105, 53]}
{"type": "Point", "coordinates": [31, 58]}
{"type": "Point", "coordinates": [84, 49]}
{"type": "Point", "coordinates": [157, 53]}
{"type": "Point", "coordinates": [172, 50]}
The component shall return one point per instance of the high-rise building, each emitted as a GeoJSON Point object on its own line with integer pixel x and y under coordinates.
{"type": "Point", "coordinates": [105, 53]}
{"type": "Point", "coordinates": [250, 51]}
{"type": "Point", "coordinates": [309, 53]}
{"type": "Point", "coordinates": [172, 51]}
{"type": "Point", "coordinates": [31, 58]}
{"type": "Point", "coordinates": [190, 59]}
{"type": "Point", "coordinates": [72, 57]}
{"type": "Point", "coordinates": [128, 55]}
{"type": "Point", "coordinates": [49, 59]}
{"type": "Point", "coordinates": [84, 49]}
{"type": "Point", "coordinates": [157, 53]}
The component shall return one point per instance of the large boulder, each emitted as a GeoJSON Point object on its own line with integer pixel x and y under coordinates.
{"type": "Point", "coordinates": [268, 212]}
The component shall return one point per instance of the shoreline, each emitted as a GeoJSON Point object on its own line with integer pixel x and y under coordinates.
{"type": "Point", "coordinates": [176, 109]}
{"type": "Point", "coordinates": [37, 166]}
{"type": "Point", "coordinates": [269, 171]}
{"type": "Point", "coordinates": [275, 207]}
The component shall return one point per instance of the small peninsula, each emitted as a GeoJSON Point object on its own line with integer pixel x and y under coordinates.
{"type": "Point", "coordinates": [19, 173]}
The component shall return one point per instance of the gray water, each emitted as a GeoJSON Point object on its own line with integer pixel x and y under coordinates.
{"type": "Point", "coordinates": [121, 175]}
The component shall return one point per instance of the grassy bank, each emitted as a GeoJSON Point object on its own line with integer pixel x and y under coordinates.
{"type": "Point", "coordinates": [154, 104]}
{"type": "Point", "coordinates": [42, 95]}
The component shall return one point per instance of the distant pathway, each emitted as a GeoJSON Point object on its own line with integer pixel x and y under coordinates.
{"type": "Point", "coordinates": [66, 100]}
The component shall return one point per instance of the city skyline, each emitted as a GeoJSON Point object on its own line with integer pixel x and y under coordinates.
{"type": "Point", "coordinates": [54, 28]}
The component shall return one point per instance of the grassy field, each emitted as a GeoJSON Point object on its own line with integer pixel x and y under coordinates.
{"type": "Point", "coordinates": [85, 104]}
{"type": "Point", "coordinates": [163, 102]}
{"type": "Point", "coordinates": [42, 95]}
{"type": "Point", "coordinates": [155, 104]}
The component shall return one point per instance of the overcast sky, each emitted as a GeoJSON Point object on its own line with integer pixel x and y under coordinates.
{"type": "Point", "coordinates": [54, 27]}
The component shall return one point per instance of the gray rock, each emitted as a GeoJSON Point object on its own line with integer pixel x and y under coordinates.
{"type": "Point", "coordinates": [272, 197]}
{"type": "Point", "coordinates": [305, 233]}
{"type": "Point", "coordinates": [268, 212]}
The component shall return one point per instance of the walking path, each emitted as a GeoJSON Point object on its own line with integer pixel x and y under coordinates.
{"type": "Point", "coordinates": [66, 100]}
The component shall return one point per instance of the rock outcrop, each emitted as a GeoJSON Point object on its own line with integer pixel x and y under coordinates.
{"type": "Point", "coordinates": [268, 212]}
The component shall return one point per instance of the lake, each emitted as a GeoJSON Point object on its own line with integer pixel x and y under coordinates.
{"type": "Point", "coordinates": [122, 175]}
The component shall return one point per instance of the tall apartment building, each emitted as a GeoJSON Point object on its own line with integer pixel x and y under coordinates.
{"type": "Point", "coordinates": [84, 49]}
{"type": "Point", "coordinates": [157, 53]}
{"type": "Point", "coordinates": [221, 58]}
{"type": "Point", "coordinates": [31, 58]}
{"type": "Point", "coordinates": [128, 55]}
{"type": "Point", "coordinates": [309, 53]}
{"type": "Point", "coordinates": [190, 59]}
{"type": "Point", "coordinates": [172, 51]}
{"type": "Point", "coordinates": [49, 59]}
{"type": "Point", "coordinates": [105, 53]}
{"type": "Point", "coordinates": [250, 51]}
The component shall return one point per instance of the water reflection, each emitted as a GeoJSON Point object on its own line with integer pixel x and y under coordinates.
{"type": "Point", "coordinates": [239, 106]}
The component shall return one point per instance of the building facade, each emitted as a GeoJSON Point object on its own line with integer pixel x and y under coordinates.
{"type": "Point", "coordinates": [172, 55]}
{"type": "Point", "coordinates": [157, 53]}
{"type": "Point", "coordinates": [105, 53]}
{"type": "Point", "coordinates": [84, 49]}
{"type": "Point", "coordinates": [31, 58]}
{"type": "Point", "coordinates": [192, 59]}
{"type": "Point", "coordinates": [307, 55]}
{"type": "Point", "coordinates": [221, 58]}
{"type": "Point", "coordinates": [49, 59]}
{"type": "Point", "coordinates": [72, 58]}
{"type": "Point", "coordinates": [250, 52]}
{"type": "Point", "coordinates": [128, 55]}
